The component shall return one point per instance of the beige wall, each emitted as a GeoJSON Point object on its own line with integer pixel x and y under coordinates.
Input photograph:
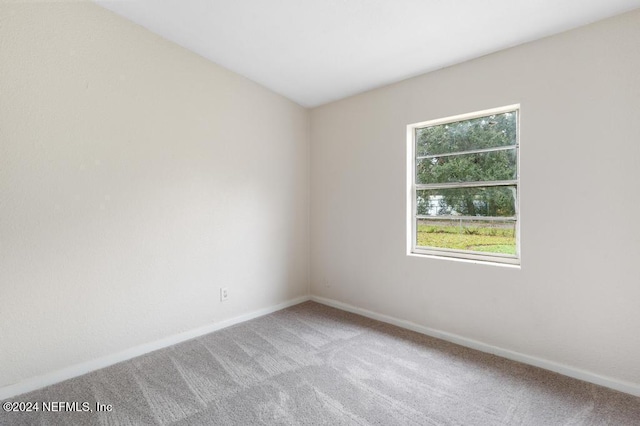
{"type": "Point", "coordinates": [575, 301]}
{"type": "Point", "coordinates": [136, 179]}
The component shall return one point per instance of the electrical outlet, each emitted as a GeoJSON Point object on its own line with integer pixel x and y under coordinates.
{"type": "Point", "coordinates": [224, 294]}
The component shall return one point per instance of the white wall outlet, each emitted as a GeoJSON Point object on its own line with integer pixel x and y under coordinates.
{"type": "Point", "coordinates": [224, 294]}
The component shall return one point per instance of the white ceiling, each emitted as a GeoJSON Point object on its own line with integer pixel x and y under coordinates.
{"type": "Point", "coordinates": [317, 51]}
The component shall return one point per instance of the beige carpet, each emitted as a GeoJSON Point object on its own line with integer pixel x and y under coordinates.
{"type": "Point", "coordinates": [311, 364]}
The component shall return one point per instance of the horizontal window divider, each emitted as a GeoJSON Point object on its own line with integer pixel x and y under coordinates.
{"type": "Point", "coordinates": [469, 218]}
{"type": "Point", "coordinates": [471, 151]}
{"type": "Point", "coordinates": [453, 185]}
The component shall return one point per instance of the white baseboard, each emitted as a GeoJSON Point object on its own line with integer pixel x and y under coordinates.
{"type": "Point", "coordinates": [576, 373]}
{"type": "Point", "coordinates": [70, 372]}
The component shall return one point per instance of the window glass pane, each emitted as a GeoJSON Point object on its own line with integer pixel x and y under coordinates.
{"type": "Point", "coordinates": [496, 201]}
{"type": "Point", "coordinates": [473, 235]}
{"type": "Point", "coordinates": [486, 166]}
{"type": "Point", "coordinates": [478, 133]}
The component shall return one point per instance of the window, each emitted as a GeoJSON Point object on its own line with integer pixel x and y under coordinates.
{"type": "Point", "coordinates": [463, 186]}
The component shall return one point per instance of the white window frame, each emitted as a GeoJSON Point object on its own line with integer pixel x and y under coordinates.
{"type": "Point", "coordinates": [412, 187]}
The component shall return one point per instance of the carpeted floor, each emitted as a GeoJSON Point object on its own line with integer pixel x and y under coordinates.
{"type": "Point", "coordinates": [311, 365]}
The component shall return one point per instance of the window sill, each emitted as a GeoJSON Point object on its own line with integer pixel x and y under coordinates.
{"type": "Point", "coordinates": [465, 260]}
